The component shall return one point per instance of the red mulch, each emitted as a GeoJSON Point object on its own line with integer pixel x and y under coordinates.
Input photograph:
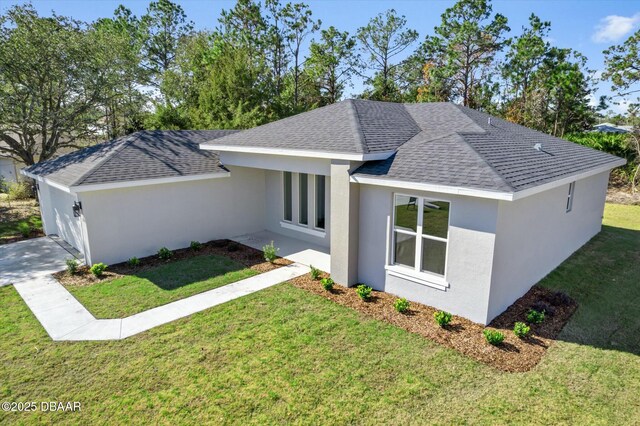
{"type": "Point", "coordinates": [513, 355]}
{"type": "Point", "coordinates": [250, 257]}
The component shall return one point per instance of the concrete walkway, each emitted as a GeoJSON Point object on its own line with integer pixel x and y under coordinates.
{"type": "Point", "coordinates": [29, 259]}
{"type": "Point", "coordinates": [64, 318]}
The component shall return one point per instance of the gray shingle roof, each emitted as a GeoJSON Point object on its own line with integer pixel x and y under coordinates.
{"type": "Point", "coordinates": [141, 155]}
{"type": "Point", "coordinates": [351, 126]}
{"type": "Point", "coordinates": [458, 147]}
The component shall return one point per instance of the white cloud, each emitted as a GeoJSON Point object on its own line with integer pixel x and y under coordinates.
{"type": "Point", "coordinates": [613, 28]}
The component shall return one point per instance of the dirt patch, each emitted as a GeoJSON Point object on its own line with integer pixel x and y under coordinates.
{"type": "Point", "coordinates": [623, 195]}
{"type": "Point", "coordinates": [513, 355]}
{"type": "Point", "coordinates": [249, 257]}
{"type": "Point", "coordinates": [13, 212]}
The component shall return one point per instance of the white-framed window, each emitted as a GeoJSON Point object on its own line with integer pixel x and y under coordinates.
{"type": "Point", "coordinates": [420, 234]}
{"type": "Point", "coordinates": [304, 202]}
{"type": "Point", "coordinates": [572, 187]}
{"type": "Point", "coordinates": [287, 191]}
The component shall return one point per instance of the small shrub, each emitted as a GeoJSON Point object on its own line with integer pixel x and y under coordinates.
{"type": "Point", "coordinates": [165, 254]}
{"type": "Point", "coordinates": [98, 269]}
{"type": "Point", "coordinates": [270, 252]}
{"type": "Point", "coordinates": [133, 262]}
{"type": "Point", "coordinates": [72, 266]}
{"type": "Point", "coordinates": [195, 245]}
{"type": "Point", "coordinates": [494, 337]}
{"type": "Point", "coordinates": [19, 191]}
{"type": "Point", "coordinates": [521, 330]}
{"type": "Point", "coordinates": [442, 318]}
{"type": "Point", "coordinates": [315, 273]}
{"type": "Point", "coordinates": [24, 228]}
{"type": "Point", "coordinates": [560, 299]}
{"type": "Point", "coordinates": [401, 305]}
{"type": "Point", "coordinates": [327, 283]}
{"type": "Point", "coordinates": [233, 246]}
{"type": "Point", "coordinates": [542, 306]}
{"type": "Point", "coordinates": [535, 317]}
{"type": "Point", "coordinates": [364, 291]}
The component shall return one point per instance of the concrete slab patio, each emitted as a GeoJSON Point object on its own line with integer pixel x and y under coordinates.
{"type": "Point", "coordinates": [290, 248]}
{"type": "Point", "coordinates": [64, 318]}
{"type": "Point", "coordinates": [29, 259]}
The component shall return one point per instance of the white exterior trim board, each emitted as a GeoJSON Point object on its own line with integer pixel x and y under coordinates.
{"type": "Point", "coordinates": [300, 152]}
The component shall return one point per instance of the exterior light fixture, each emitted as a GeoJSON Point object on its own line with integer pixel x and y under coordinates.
{"type": "Point", "coordinates": [77, 209]}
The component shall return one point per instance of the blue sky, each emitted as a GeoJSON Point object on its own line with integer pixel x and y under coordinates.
{"type": "Point", "coordinates": [588, 26]}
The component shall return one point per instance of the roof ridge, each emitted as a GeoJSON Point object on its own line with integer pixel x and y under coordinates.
{"type": "Point", "coordinates": [482, 157]}
{"type": "Point", "coordinates": [357, 127]}
{"type": "Point", "coordinates": [128, 139]}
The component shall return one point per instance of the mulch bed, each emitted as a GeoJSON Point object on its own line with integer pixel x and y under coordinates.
{"type": "Point", "coordinates": [249, 257]}
{"type": "Point", "coordinates": [513, 355]}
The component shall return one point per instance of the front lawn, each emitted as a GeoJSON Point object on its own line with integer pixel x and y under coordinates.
{"type": "Point", "coordinates": [284, 355]}
{"type": "Point", "coordinates": [160, 285]}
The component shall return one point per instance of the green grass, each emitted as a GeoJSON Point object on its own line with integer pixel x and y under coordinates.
{"type": "Point", "coordinates": [9, 229]}
{"type": "Point", "coordinates": [283, 356]}
{"type": "Point", "coordinates": [158, 286]}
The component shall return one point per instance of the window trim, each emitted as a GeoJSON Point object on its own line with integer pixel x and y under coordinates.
{"type": "Point", "coordinates": [416, 273]}
{"type": "Point", "coordinates": [572, 190]}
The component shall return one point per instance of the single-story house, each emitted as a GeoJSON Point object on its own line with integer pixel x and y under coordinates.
{"type": "Point", "coordinates": [434, 202]}
{"type": "Point", "coordinates": [612, 128]}
{"type": "Point", "coordinates": [9, 170]}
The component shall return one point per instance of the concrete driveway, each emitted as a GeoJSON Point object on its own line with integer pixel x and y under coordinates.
{"type": "Point", "coordinates": [30, 259]}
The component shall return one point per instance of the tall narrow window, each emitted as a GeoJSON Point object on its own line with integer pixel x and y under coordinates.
{"type": "Point", "coordinates": [320, 204]}
{"type": "Point", "coordinates": [288, 196]}
{"type": "Point", "coordinates": [303, 199]}
{"type": "Point", "coordinates": [572, 186]}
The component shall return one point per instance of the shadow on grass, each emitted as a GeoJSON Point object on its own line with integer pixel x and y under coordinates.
{"type": "Point", "coordinates": [185, 272]}
{"type": "Point", "coordinates": [604, 278]}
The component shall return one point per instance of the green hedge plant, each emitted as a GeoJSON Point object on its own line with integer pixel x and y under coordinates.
{"type": "Point", "coordinates": [165, 254]}
{"type": "Point", "coordinates": [315, 273]}
{"type": "Point", "coordinates": [98, 269]}
{"type": "Point", "coordinates": [535, 317]}
{"type": "Point", "coordinates": [327, 283]}
{"type": "Point", "coordinates": [364, 291]}
{"type": "Point", "coordinates": [521, 329]}
{"type": "Point", "coordinates": [133, 262]}
{"type": "Point", "coordinates": [72, 266]}
{"type": "Point", "coordinates": [494, 337]}
{"type": "Point", "coordinates": [270, 252]}
{"type": "Point", "coordinates": [442, 318]}
{"type": "Point", "coordinates": [195, 245]}
{"type": "Point", "coordinates": [401, 305]}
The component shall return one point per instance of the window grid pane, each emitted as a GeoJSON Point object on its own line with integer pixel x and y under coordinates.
{"type": "Point", "coordinates": [288, 196]}
{"type": "Point", "coordinates": [405, 249]}
{"type": "Point", "coordinates": [434, 256]}
{"type": "Point", "coordinates": [406, 213]}
{"type": "Point", "coordinates": [320, 202]}
{"type": "Point", "coordinates": [303, 199]}
{"type": "Point", "coordinates": [435, 218]}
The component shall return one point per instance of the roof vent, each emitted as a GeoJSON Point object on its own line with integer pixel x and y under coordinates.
{"type": "Point", "coordinates": [489, 121]}
{"type": "Point", "coordinates": [538, 147]}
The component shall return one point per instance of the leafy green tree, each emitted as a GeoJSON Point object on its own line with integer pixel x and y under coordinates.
{"type": "Point", "coordinates": [164, 25]}
{"type": "Point", "coordinates": [52, 84]}
{"type": "Point", "coordinates": [463, 49]}
{"type": "Point", "coordinates": [622, 66]}
{"type": "Point", "coordinates": [382, 39]}
{"type": "Point", "coordinates": [125, 104]}
{"type": "Point", "coordinates": [523, 59]}
{"type": "Point", "coordinates": [332, 62]}
{"type": "Point", "coordinates": [299, 24]}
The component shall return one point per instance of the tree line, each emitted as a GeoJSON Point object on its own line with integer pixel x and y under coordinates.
{"type": "Point", "coordinates": [63, 81]}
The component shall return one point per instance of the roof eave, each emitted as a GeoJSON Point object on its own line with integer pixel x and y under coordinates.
{"type": "Point", "coordinates": [373, 156]}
